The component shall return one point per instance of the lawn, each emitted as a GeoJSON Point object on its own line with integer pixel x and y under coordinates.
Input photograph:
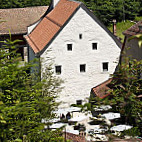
{"type": "Point", "coordinates": [124, 25]}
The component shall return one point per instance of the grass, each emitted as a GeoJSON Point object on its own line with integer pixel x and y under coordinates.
{"type": "Point", "coordinates": [122, 26]}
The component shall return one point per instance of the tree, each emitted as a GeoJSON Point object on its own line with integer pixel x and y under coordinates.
{"type": "Point", "coordinates": [126, 92]}
{"type": "Point", "coordinates": [24, 99]}
{"type": "Point", "coordinates": [107, 10]}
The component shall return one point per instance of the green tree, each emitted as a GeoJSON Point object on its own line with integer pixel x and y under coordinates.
{"type": "Point", "coordinates": [125, 91]}
{"type": "Point", "coordinates": [25, 100]}
{"type": "Point", "coordinates": [107, 10]}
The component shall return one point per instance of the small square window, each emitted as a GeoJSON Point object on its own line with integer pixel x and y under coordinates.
{"type": "Point", "coordinates": [69, 47]}
{"type": "Point", "coordinates": [105, 66]}
{"type": "Point", "coordinates": [79, 102]}
{"type": "Point", "coordinates": [58, 69]}
{"type": "Point", "coordinates": [80, 36]}
{"type": "Point", "coordinates": [94, 46]}
{"type": "Point", "coordinates": [82, 68]}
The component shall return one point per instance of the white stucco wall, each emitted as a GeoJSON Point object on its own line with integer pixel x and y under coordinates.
{"type": "Point", "coordinates": [77, 85]}
{"type": "Point", "coordinates": [31, 27]}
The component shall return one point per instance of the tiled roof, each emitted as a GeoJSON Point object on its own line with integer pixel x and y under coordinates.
{"type": "Point", "coordinates": [101, 90]}
{"type": "Point", "coordinates": [18, 19]}
{"type": "Point", "coordinates": [51, 24]}
{"type": "Point", "coordinates": [134, 30]}
{"type": "Point", "coordinates": [75, 138]}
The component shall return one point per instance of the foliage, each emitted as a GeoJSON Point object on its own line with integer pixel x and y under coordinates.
{"type": "Point", "coordinates": [125, 88]}
{"type": "Point", "coordinates": [24, 99]}
{"type": "Point", "coordinates": [105, 10]}
{"type": "Point", "coordinates": [131, 132]}
{"type": "Point", "coordinates": [121, 27]}
{"type": "Point", "coordinates": [22, 3]}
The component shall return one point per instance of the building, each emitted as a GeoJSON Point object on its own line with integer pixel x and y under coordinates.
{"type": "Point", "coordinates": [131, 47]}
{"type": "Point", "coordinates": [16, 21]}
{"type": "Point", "coordinates": [84, 52]}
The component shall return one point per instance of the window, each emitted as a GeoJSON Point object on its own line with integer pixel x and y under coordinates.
{"type": "Point", "coordinates": [105, 66]}
{"type": "Point", "coordinates": [80, 36]}
{"type": "Point", "coordinates": [82, 68]}
{"type": "Point", "coordinates": [94, 46]}
{"type": "Point", "coordinates": [69, 47]}
{"type": "Point", "coordinates": [58, 69]}
{"type": "Point", "coordinates": [79, 102]}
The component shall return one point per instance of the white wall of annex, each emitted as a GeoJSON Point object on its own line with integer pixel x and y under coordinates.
{"type": "Point", "coordinates": [31, 27]}
{"type": "Point", "coordinates": [77, 85]}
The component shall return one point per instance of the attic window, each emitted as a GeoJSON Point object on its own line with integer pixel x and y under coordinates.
{"type": "Point", "coordinates": [82, 68]}
{"type": "Point", "coordinates": [69, 47]}
{"type": "Point", "coordinates": [58, 69]}
{"type": "Point", "coordinates": [105, 66]}
{"type": "Point", "coordinates": [80, 36]}
{"type": "Point", "coordinates": [94, 46]}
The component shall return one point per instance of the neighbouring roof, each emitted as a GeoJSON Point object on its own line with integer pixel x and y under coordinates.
{"type": "Point", "coordinates": [134, 30]}
{"type": "Point", "coordinates": [101, 90]}
{"type": "Point", "coordinates": [18, 19]}
{"type": "Point", "coordinates": [51, 24]}
{"type": "Point", "coordinates": [74, 138]}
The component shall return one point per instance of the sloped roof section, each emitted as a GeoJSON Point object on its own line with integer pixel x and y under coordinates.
{"type": "Point", "coordinates": [134, 30]}
{"type": "Point", "coordinates": [18, 19]}
{"type": "Point", "coordinates": [101, 90]}
{"type": "Point", "coordinates": [51, 24]}
{"type": "Point", "coordinates": [75, 138]}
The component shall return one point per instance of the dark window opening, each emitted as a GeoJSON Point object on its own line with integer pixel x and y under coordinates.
{"type": "Point", "coordinates": [58, 69]}
{"type": "Point", "coordinates": [105, 66]}
{"type": "Point", "coordinates": [80, 36]}
{"type": "Point", "coordinates": [94, 46]}
{"type": "Point", "coordinates": [79, 102]}
{"type": "Point", "coordinates": [82, 68]}
{"type": "Point", "coordinates": [20, 52]}
{"type": "Point", "coordinates": [69, 47]}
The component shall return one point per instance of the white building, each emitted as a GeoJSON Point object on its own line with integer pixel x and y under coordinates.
{"type": "Point", "coordinates": [83, 50]}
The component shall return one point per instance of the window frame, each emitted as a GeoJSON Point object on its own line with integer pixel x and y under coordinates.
{"type": "Point", "coordinates": [80, 36]}
{"type": "Point", "coordinates": [105, 66]}
{"type": "Point", "coordinates": [69, 46]}
{"type": "Point", "coordinates": [94, 46]}
{"type": "Point", "coordinates": [58, 69]}
{"type": "Point", "coordinates": [82, 68]}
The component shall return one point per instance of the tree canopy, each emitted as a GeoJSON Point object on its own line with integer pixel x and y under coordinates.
{"type": "Point", "coordinates": [105, 10]}
{"type": "Point", "coordinates": [24, 99]}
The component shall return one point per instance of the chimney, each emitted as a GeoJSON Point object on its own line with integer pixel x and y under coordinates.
{"type": "Point", "coordinates": [55, 2]}
{"type": "Point", "coordinates": [114, 26]}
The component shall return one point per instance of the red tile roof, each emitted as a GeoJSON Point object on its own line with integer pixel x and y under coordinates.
{"type": "Point", "coordinates": [75, 138]}
{"type": "Point", "coordinates": [18, 19]}
{"type": "Point", "coordinates": [51, 24]}
{"type": "Point", "coordinates": [101, 90]}
{"type": "Point", "coordinates": [134, 30]}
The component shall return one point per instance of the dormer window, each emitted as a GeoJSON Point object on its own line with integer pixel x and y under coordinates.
{"type": "Point", "coordinates": [94, 46]}
{"type": "Point", "coordinates": [80, 36]}
{"type": "Point", "coordinates": [69, 47]}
